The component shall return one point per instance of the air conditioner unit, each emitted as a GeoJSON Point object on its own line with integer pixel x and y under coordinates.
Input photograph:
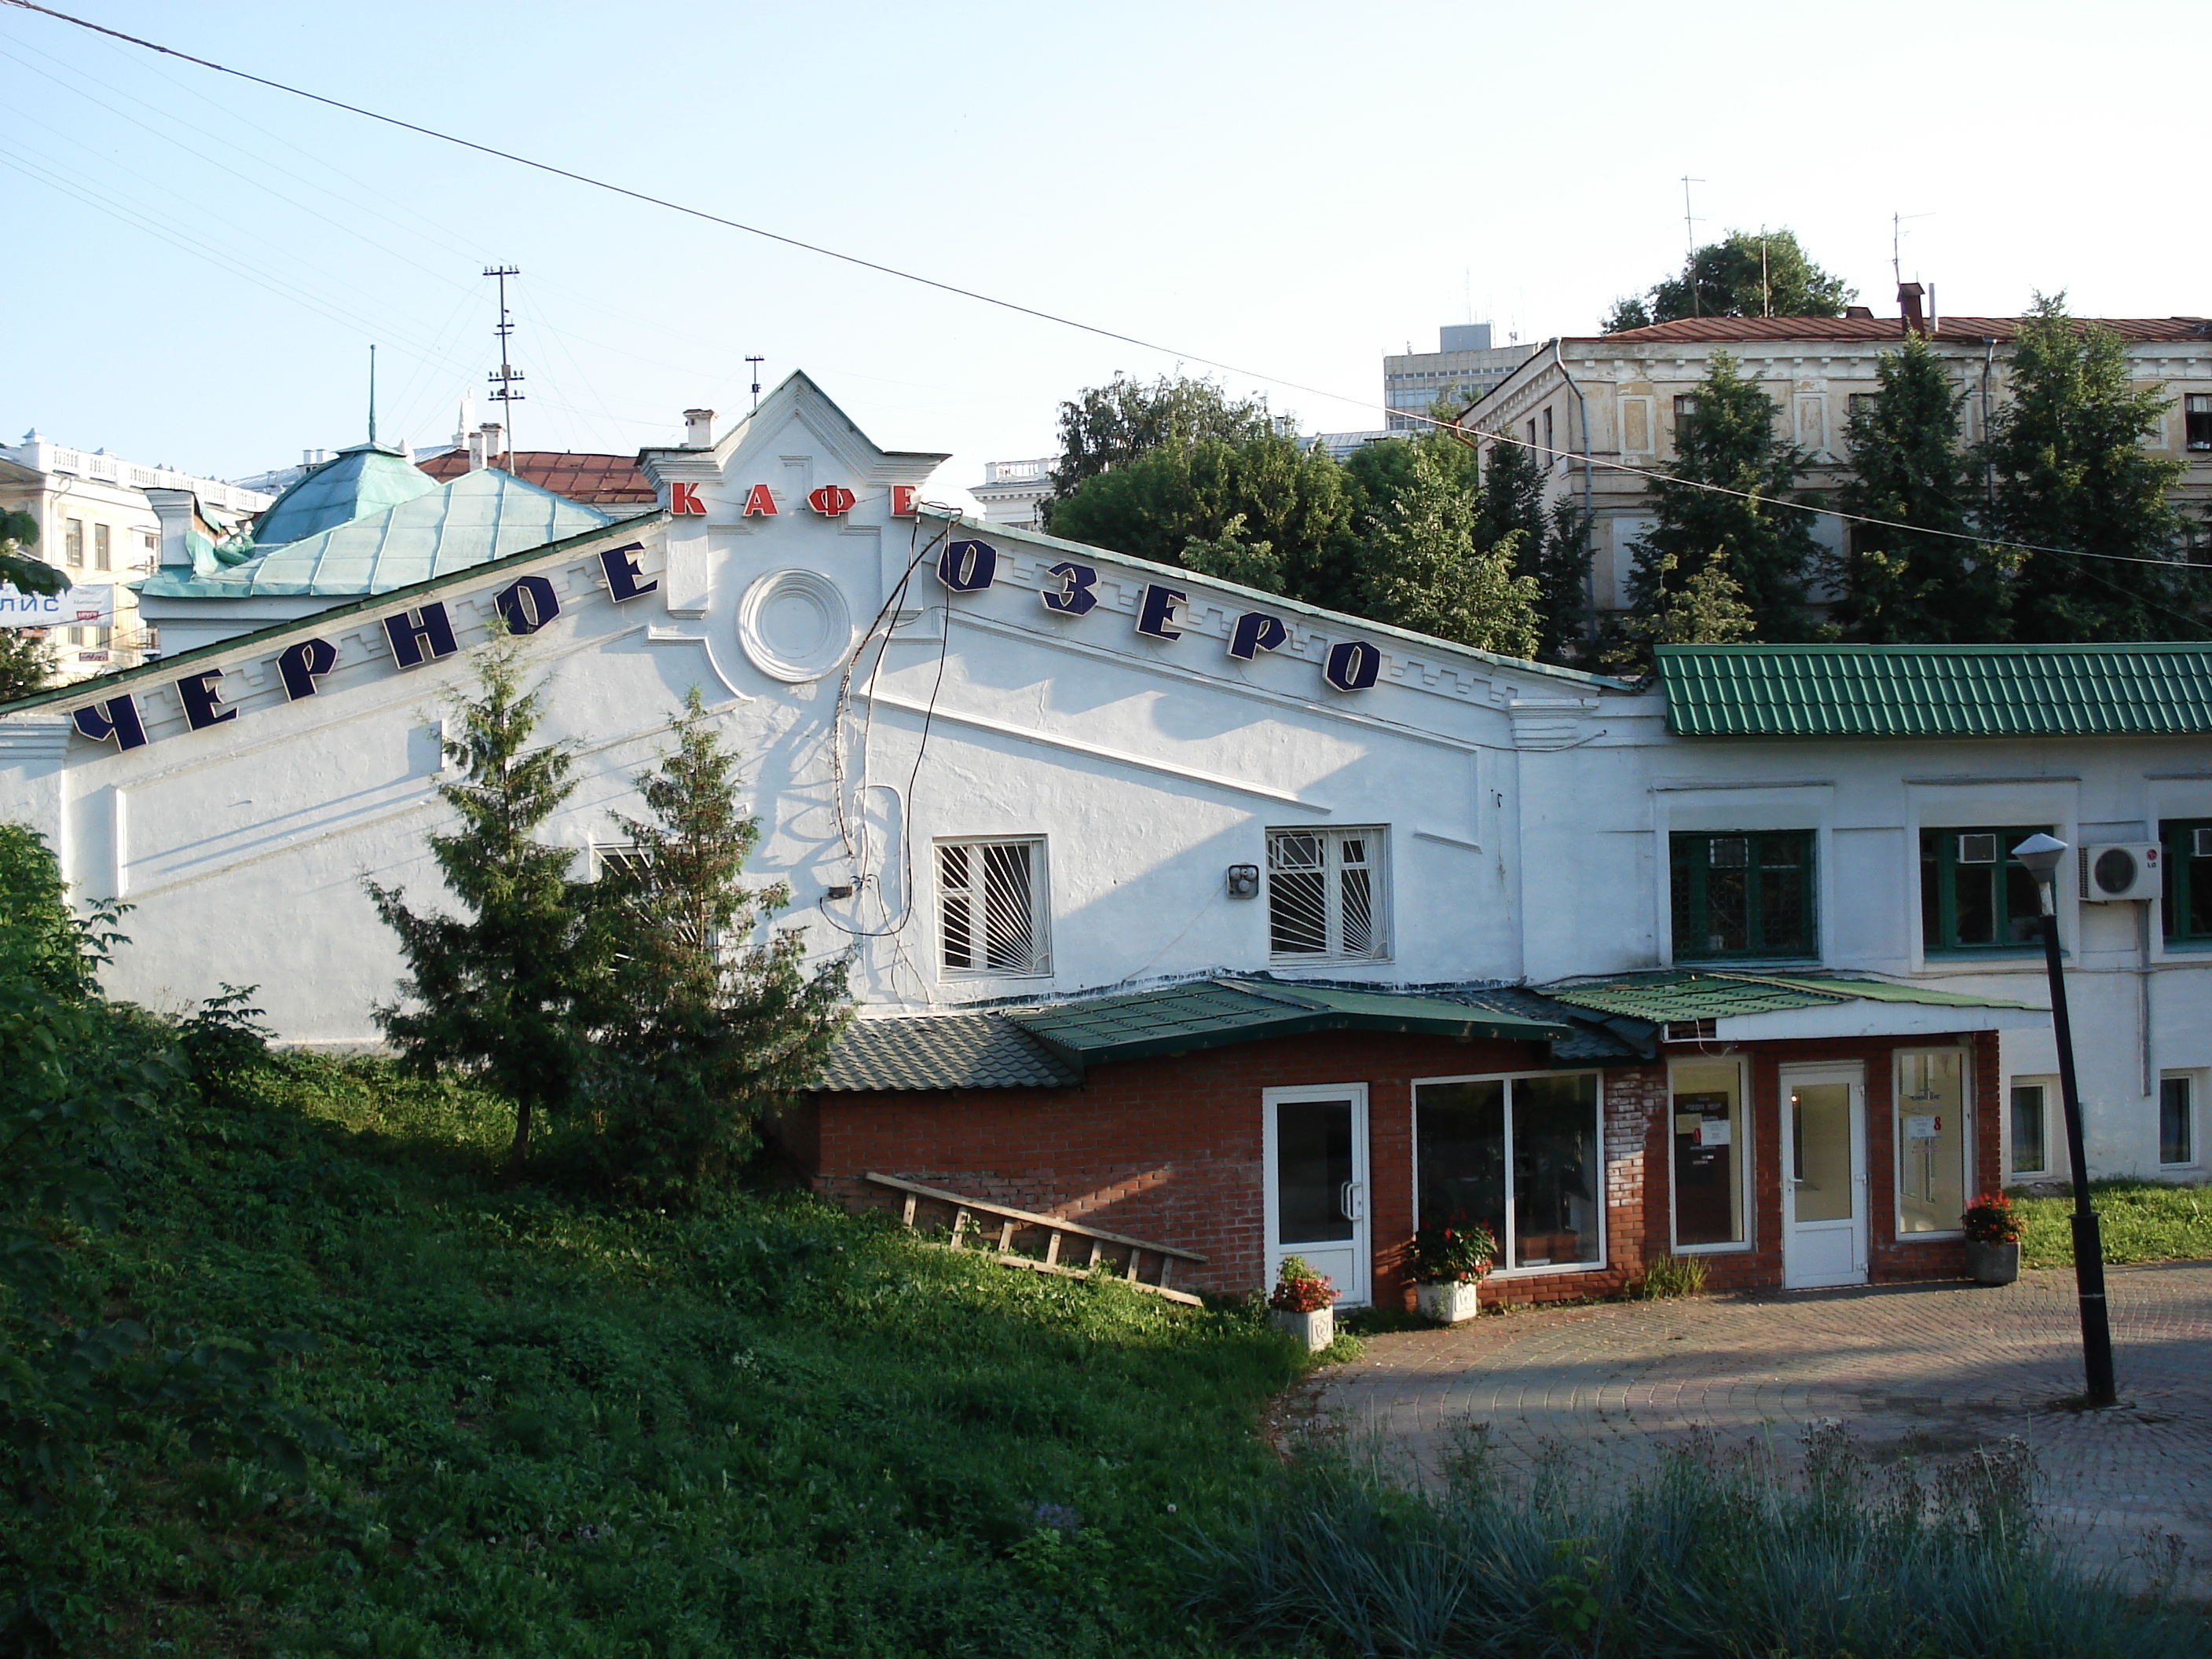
{"type": "Point", "coordinates": [2128, 870]}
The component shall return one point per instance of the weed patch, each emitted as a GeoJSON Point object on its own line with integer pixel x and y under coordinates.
{"type": "Point", "coordinates": [2139, 1221]}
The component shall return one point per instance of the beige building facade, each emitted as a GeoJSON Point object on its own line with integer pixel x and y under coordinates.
{"type": "Point", "coordinates": [1600, 412]}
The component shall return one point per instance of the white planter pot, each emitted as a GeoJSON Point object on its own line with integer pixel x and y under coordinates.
{"type": "Point", "coordinates": [1316, 1330]}
{"type": "Point", "coordinates": [1447, 1304]}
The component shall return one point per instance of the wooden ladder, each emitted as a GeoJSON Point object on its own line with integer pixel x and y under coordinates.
{"type": "Point", "coordinates": [1092, 1243]}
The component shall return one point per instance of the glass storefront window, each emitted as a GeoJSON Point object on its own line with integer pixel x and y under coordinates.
{"type": "Point", "coordinates": [1707, 1104]}
{"type": "Point", "coordinates": [1521, 1156]}
{"type": "Point", "coordinates": [1931, 1141]}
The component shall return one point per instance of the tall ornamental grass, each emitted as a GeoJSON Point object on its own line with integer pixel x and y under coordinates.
{"type": "Point", "coordinates": [1704, 1556]}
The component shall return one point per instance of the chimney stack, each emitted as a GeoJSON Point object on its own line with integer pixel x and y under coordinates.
{"type": "Point", "coordinates": [1908, 302]}
{"type": "Point", "coordinates": [485, 450]}
{"type": "Point", "coordinates": [698, 429]}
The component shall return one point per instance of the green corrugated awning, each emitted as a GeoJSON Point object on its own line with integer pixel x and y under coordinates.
{"type": "Point", "coordinates": [940, 1051]}
{"type": "Point", "coordinates": [1210, 1013]}
{"type": "Point", "coordinates": [1936, 690]}
{"type": "Point", "coordinates": [1687, 997]}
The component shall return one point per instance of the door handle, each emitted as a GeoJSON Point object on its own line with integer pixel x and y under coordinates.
{"type": "Point", "coordinates": [1345, 1196]}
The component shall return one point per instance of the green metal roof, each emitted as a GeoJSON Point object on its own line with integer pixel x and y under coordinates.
{"type": "Point", "coordinates": [940, 1051]}
{"type": "Point", "coordinates": [354, 483]}
{"type": "Point", "coordinates": [1213, 1012]}
{"type": "Point", "coordinates": [480, 516]}
{"type": "Point", "coordinates": [1684, 996]}
{"type": "Point", "coordinates": [1936, 690]}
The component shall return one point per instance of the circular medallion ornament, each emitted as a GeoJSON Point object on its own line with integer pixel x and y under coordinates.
{"type": "Point", "coordinates": [793, 625]}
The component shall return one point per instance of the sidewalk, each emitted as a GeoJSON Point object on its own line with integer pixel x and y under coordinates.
{"type": "Point", "coordinates": [1920, 1369]}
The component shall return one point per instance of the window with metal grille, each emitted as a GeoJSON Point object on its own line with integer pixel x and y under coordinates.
{"type": "Point", "coordinates": [1741, 894]}
{"type": "Point", "coordinates": [993, 915]}
{"type": "Point", "coordinates": [2185, 914]}
{"type": "Point", "coordinates": [1325, 895]}
{"type": "Point", "coordinates": [2197, 420]}
{"type": "Point", "coordinates": [630, 867]}
{"type": "Point", "coordinates": [1974, 895]}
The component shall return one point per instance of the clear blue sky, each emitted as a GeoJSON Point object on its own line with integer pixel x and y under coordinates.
{"type": "Point", "coordinates": [196, 267]}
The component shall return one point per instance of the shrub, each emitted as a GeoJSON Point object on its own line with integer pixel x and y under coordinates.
{"type": "Point", "coordinates": [1452, 1249]}
{"type": "Point", "coordinates": [1706, 1557]}
{"type": "Point", "coordinates": [1299, 1288]}
{"type": "Point", "coordinates": [1671, 1276]}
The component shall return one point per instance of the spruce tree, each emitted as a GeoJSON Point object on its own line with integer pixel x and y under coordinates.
{"type": "Point", "coordinates": [699, 1033]}
{"type": "Point", "coordinates": [497, 990]}
{"type": "Point", "coordinates": [1424, 573]}
{"type": "Point", "coordinates": [27, 662]}
{"type": "Point", "coordinates": [1928, 583]}
{"type": "Point", "coordinates": [1728, 440]}
{"type": "Point", "coordinates": [2071, 473]}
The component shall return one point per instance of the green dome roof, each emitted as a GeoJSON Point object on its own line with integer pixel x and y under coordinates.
{"type": "Point", "coordinates": [367, 478]}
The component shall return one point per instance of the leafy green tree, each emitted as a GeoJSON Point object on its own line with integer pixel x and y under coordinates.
{"type": "Point", "coordinates": [19, 567]}
{"type": "Point", "coordinates": [1929, 583]}
{"type": "Point", "coordinates": [699, 1032]}
{"type": "Point", "coordinates": [496, 991]}
{"type": "Point", "coordinates": [1729, 441]}
{"type": "Point", "coordinates": [1269, 488]}
{"type": "Point", "coordinates": [1234, 558]}
{"type": "Point", "coordinates": [1550, 547]}
{"type": "Point", "coordinates": [2071, 472]}
{"type": "Point", "coordinates": [1746, 274]}
{"type": "Point", "coordinates": [1110, 426]}
{"type": "Point", "coordinates": [27, 662]}
{"type": "Point", "coordinates": [1706, 608]}
{"type": "Point", "coordinates": [1424, 573]}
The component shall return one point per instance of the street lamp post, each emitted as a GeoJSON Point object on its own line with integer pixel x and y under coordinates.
{"type": "Point", "coordinates": [2041, 854]}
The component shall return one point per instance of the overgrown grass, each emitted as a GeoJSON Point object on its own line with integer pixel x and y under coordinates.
{"type": "Point", "coordinates": [2139, 1220]}
{"type": "Point", "coordinates": [1707, 1557]}
{"type": "Point", "coordinates": [765, 1429]}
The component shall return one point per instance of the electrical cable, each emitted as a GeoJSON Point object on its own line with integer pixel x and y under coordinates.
{"type": "Point", "coordinates": [982, 298]}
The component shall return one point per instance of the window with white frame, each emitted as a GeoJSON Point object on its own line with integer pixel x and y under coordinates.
{"type": "Point", "coordinates": [2177, 1119]}
{"type": "Point", "coordinates": [1327, 895]}
{"type": "Point", "coordinates": [1519, 1154]}
{"type": "Point", "coordinates": [1711, 1168]}
{"type": "Point", "coordinates": [993, 912]}
{"type": "Point", "coordinates": [2029, 1142]}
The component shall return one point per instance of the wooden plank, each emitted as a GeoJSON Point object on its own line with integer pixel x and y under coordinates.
{"type": "Point", "coordinates": [1036, 1266]}
{"type": "Point", "coordinates": [1028, 1216]}
{"type": "Point", "coordinates": [959, 1226]}
{"type": "Point", "coordinates": [1006, 1237]}
{"type": "Point", "coordinates": [907, 1213]}
{"type": "Point", "coordinates": [1167, 1267]}
{"type": "Point", "coordinates": [1052, 1249]}
{"type": "Point", "coordinates": [1132, 1274]}
{"type": "Point", "coordinates": [1096, 1250]}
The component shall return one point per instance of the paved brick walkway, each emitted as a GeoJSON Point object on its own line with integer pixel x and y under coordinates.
{"type": "Point", "coordinates": [1926, 1369]}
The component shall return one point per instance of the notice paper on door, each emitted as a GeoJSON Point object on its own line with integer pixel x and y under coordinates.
{"type": "Point", "coordinates": [1713, 1132]}
{"type": "Point", "coordinates": [1922, 1126]}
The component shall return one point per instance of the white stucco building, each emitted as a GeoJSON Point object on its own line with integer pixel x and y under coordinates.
{"type": "Point", "coordinates": [994, 765]}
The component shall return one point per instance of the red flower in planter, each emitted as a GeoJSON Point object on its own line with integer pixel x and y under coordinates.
{"type": "Point", "coordinates": [1299, 1288]}
{"type": "Point", "coordinates": [1991, 1220]}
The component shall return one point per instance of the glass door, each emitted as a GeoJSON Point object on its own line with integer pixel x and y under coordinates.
{"type": "Point", "coordinates": [1824, 1190]}
{"type": "Point", "coordinates": [1316, 1157]}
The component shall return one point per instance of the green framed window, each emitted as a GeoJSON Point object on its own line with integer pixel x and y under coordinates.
{"type": "Point", "coordinates": [1974, 895]}
{"type": "Point", "coordinates": [2187, 912]}
{"type": "Point", "coordinates": [1742, 893]}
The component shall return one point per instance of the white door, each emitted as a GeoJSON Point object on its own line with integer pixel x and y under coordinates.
{"type": "Point", "coordinates": [1823, 1187]}
{"type": "Point", "coordinates": [1316, 1154]}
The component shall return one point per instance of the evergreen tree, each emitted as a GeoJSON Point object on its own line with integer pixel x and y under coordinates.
{"type": "Point", "coordinates": [699, 1033]}
{"type": "Point", "coordinates": [1744, 273]}
{"type": "Point", "coordinates": [1107, 426]}
{"type": "Point", "coordinates": [1706, 608]}
{"type": "Point", "coordinates": [1424, 573]}
{"type": "Point", "coordinates": [20, 568]}
{"type": "Point", "coordinates": [2070, 470]}
{"type": "Point", "coordinates": [1927, 584]}
{"type": "Point", "coordinates": [1550, 547]}
{"type": "Point", "coordinates": [27, 662]}
{"type": "Point", "coordinates": [1729, 441]}
{"type": "Point", "coordinates": [497, 992]}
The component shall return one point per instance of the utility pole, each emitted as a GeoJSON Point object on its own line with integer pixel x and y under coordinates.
{"type": "Point", "coordinates": [756, 362]}
{"type": "Point", "coordinates": [372, 393]}
{"type": "Point", "coordinates": [504, 377]}
{"type": "Point", "coordinates": [1690, 246]}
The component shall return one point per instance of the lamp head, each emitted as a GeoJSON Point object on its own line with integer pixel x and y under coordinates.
{"type": "Point", "coordinates": [2041, 853]}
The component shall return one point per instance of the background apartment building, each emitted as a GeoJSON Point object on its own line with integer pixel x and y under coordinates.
{"type": "Point", "coordinates": [1465, 364]}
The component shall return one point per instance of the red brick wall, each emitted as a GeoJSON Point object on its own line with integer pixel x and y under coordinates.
{"type": "Point", "coordinates": [1169, 1150]}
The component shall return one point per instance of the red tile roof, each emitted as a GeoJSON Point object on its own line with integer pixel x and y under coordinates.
{"type": "Point", "coordinates": [1721, 330]}
{"type": "Point", "coordinates": [595, 480]}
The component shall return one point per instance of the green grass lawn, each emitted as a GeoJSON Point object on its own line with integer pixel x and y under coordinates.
{"type": "Point", "coordinates": [2140, 1221]}
{"type": "Point", "coordinates": [771, 1429]}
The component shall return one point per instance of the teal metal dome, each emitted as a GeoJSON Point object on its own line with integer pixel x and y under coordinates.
{"type": "Point", "coordinates": [367, 478]}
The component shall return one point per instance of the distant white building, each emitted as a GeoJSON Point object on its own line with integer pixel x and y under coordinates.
{"type": "Point", "coordinates": [1464, 361]}
{"type": "Point", "coordinates": [1342, 446]}
{"type": "Point", "coordinates": [97, 527]}
{"type": "Point", "coordinates": [1012, 493]}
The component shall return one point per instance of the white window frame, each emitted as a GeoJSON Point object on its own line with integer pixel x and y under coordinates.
{"type": "Point", "coordinates": [2053, 1113]}
{"type": "Point", "coordinates": [1040, 906]}
{"type": "Point", "coordinates": [1897, 1153]}
{"type": "Point", "coordinates": [2195, 1079]}
{"type": "Point", "coordinates": [1505, 1246]}
{"type": "Point", "coordinates": [1747, 1193]}
{"type": "Point", "coordinates": [1377, 838]}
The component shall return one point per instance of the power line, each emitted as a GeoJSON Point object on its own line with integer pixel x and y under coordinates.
{"type": "Point", "coordinates": [1053, 317]}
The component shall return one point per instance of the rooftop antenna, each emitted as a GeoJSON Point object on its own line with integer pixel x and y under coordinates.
{"type": "Point", "coordinates": [1690, 246]}
{"type": "Point", "coordinates": [756, 362]}
{"type": "Point", "coordinates": [372, 393]}
{"type": "Point", "coordinates": [1765, 289]}
{"type": "Point", "coordinates": [1897, 243]}
{"type": "Point", "coordinates": [504, 377]}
